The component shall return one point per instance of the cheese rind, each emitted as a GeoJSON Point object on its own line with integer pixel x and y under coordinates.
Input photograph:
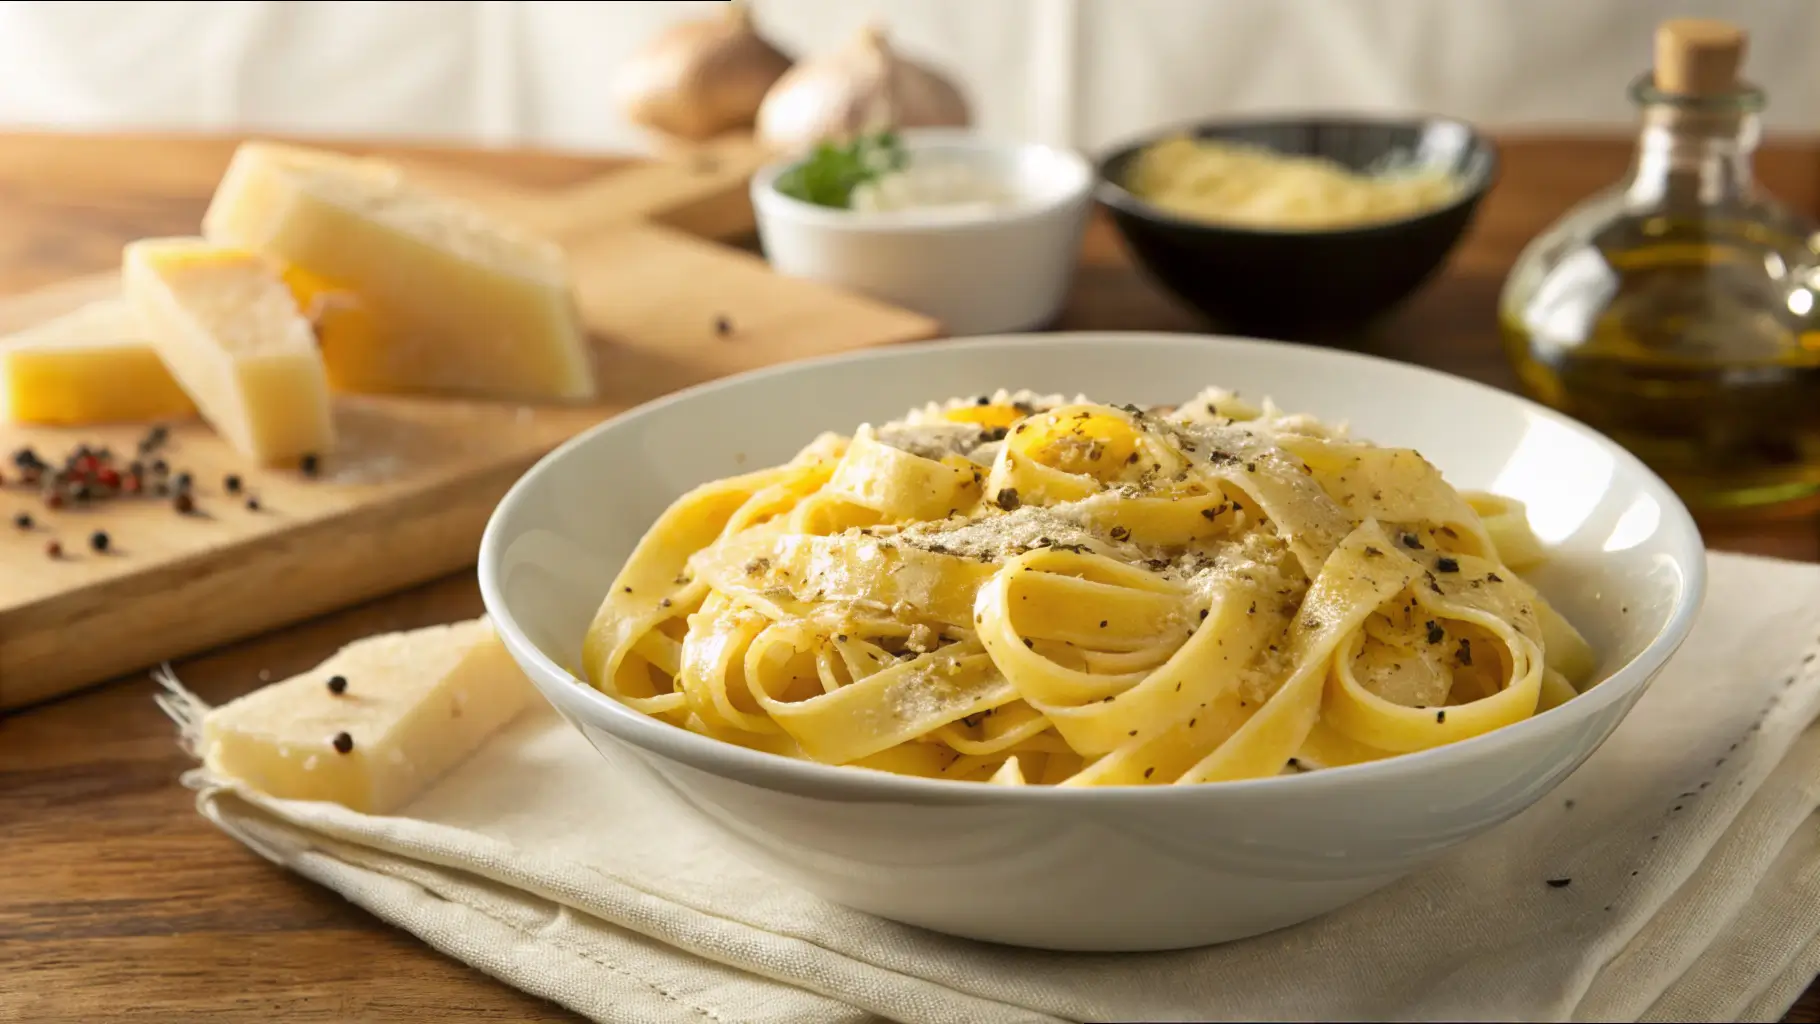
{"type": "Point", "coordinates": [91, 365]}
{"type": "Point", "coordinates": [415, 705]}
{"type": "Point", "coordinates": [462, 303]}
{"type": "Point", "coordinates": [228, 329]}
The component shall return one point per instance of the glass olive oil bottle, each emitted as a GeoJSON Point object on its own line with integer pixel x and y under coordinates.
{"type": "Point", "coordinates": [1676, 311]}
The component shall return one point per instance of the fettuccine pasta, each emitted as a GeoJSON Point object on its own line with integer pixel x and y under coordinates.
{"type": "Point", "coordinates": [1231, 183]}
{"type": "Point", "coordinates": [1024, 590]}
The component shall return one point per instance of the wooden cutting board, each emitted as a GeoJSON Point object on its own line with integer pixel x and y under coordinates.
{"type": "Point", "coordinates": [406, 495]}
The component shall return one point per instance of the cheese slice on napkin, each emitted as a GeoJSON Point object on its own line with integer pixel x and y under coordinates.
{"type": "Point", "coordinates": [373, 725]}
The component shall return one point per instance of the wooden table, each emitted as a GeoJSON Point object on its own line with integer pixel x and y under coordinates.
{"type": "Point", "coordinates": [118, 902]}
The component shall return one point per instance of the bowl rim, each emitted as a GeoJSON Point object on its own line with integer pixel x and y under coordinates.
{"type": "Point", "coordinates": [575, 696]}
{"type": "Point", "coordinates": [1114, 195]}
{"type": "Point", "coordinates": [1081, 178]}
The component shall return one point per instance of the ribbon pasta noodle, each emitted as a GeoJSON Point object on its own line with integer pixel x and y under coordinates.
{"type": "Point", "coordinates": [1231, 183]}
{"type": "Point", "coordinates": [1024, 590]}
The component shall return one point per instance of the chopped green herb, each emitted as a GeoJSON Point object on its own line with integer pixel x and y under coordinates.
{"type": "Point", "coordinates": [831, 173]}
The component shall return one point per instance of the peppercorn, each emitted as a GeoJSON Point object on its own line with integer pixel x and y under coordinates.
{"type": "Point", "coordinates": [723, 326]}
{"type": "Point", "coordinates": [99, 540]}
{"type": "Point", "coordinates": [183, 503]}
{"type": "Point", "coordinates": [338, 685]}
{"type": "Point", "coordinates": [160, 467]}
{"type": "Point", "coordinates": [23, 520]}
{"type": "Point", "coordinates": [343, 743]}
{"type": "Point", "coordinates": [230, 484]}
{"type": "Point", "coordinates": [252, 504]}
{"type": "Point", "coordinates": [310, 464]}
{"type": "Point", "coordinates": [183, 481]}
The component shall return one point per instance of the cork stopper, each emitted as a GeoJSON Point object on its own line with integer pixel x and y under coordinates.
{"type": "Point", "coordinates": [1698, 57]}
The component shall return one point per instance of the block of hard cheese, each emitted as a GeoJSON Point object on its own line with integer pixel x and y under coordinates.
{"type": "Point", "coordinates": [410, 706]}
{"type": "Point", "coordinates": [250, 184]}
{"type": "Point", "coordinates": [464, 304]}
{"type": "Point", "coordinates": [229, 330]}
{"type": "Point", "coordinates": [90, 365]}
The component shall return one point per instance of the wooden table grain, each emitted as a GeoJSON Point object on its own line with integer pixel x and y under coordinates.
{"type": "Point", "coordinates": [119, 903]}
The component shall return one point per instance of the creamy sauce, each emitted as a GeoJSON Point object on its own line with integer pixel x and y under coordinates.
{"type": "Point", "coordinates": [926, 185]}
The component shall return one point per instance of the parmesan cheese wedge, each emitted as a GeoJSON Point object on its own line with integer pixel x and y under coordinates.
{"type": "Point", "coordinates": [414, 705]}
{"type": "Point", "coordinates": [460, 303]}
{"type": "Point", "coordinates": [250, 182]}
{"type": "Point", "coordinates": [228, 329]}
{"type": "Point", "coordinates": [91, 365]}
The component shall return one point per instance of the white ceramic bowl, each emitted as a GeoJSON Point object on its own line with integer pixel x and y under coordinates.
{"type": "Point", "coordinates": [977, 273]}
{"type": "Point", "coordinates": [1111, 869]}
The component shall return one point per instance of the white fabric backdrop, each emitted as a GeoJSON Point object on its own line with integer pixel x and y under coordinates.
{"type": "Point", "coordinates": [1081, 71]}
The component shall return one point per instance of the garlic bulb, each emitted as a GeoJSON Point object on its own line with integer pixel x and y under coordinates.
{"type": "Point", "coordinates": [859, 88]}
{"type": "Point", "coordinates": [700, 78]}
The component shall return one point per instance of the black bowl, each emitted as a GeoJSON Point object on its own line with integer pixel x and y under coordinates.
{"type": "Point", "coordinates": [1304, 284]}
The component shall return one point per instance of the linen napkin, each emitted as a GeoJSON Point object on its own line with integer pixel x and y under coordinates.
{"type": "Point", "coordinates": [1691, 840]}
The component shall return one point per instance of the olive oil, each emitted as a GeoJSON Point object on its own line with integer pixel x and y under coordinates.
{"type": "Point", "coordinates": [1677, 312]}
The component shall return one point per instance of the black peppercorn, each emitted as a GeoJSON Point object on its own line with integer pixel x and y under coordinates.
{"type": "Point", "coordinates": [252, 504]}
{"type": "Point", "coordinates": [183, 481]}
{"type": "Point", "coordinates": [310, 464]}
{"type": "Point", "coordinates": [230, 484]}
{"type": "Point", "coordinates": [99, 540]}
{"type": "Point", "coordinates": [23, 520]}
{"type": "Point", "coordinates": [723, 326]}
{"type": "Point", "coordinates": [338, 685]}
{"type": "Point", "coordinates": [343, 743]}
